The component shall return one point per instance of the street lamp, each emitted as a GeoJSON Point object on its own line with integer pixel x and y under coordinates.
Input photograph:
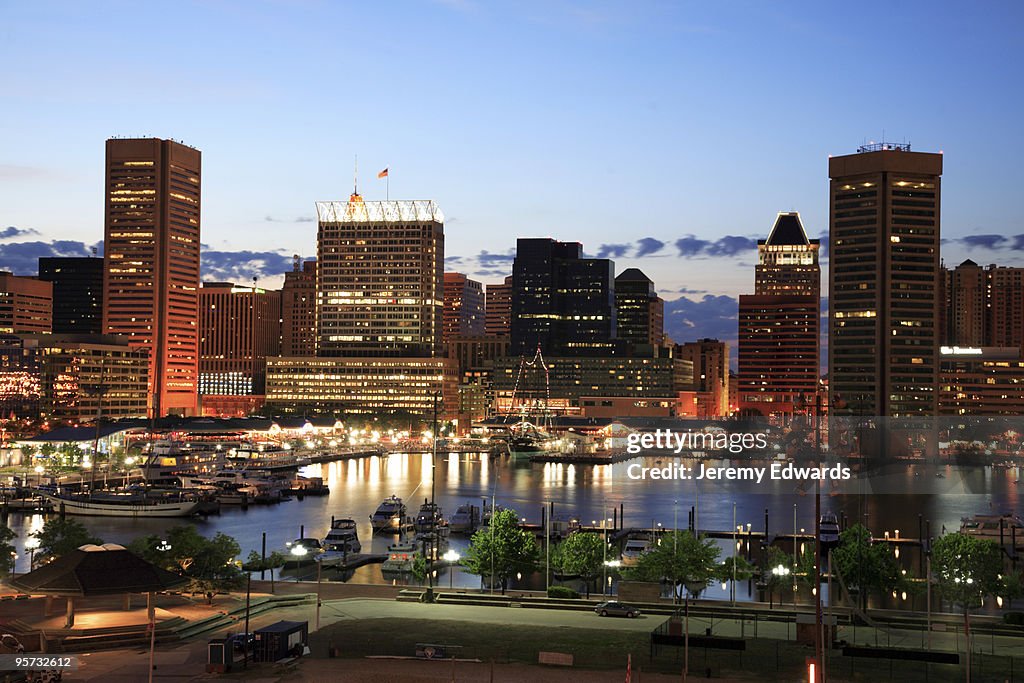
{"type": "Point", "coordinates": [614, 564]}
{"type": "Point", "coordinates": [31, 544]}
{"type": "Point", "coordinates": [452, 558]}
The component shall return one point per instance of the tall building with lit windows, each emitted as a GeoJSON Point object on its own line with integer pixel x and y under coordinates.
{"type": "Point", "coordinates": [498, 305]}
{"type": "Point", "coordinates": [463, 307]}
{"type": "Point", "coordinates": [884, 281]}
{"type": "Point", "coordinates": [779, 325]}
{"type": "Point", "coordinates": [379, 278]}
{"type": "Point", "coordinates": [151, 273]}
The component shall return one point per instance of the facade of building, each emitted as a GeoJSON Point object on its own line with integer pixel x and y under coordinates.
{"type": "Point", "coordinates": [82, 377]}
{"type": "Point", "coordinates": [710, 362]}
{"type": "Point", "coordinates": [639, 311]}
{"type": "Point", "coordinates": [884, 281]}
{"type": "Point", "coordinates": [562, 303]}
{"type": "Point", "coordinates": [26, 305]}
{"type": "Point", "coordinates": [474, 358]}
{"type": "Point", "coordinates": [379, 279]}
{"type": "Point", "coordinates": [77, 293]}
{"type": "Point", "coordinates": [463, 307]}
{"type": "Point", "coordinates": [779, 325]}
{"type": "Point", "coordinates": [151, 257]}
{"type": "Point", "coordinates": [561, 382]}
{"type": "Point", "coordinates": [361, 385]}
{"type": "Point", "coordinates": [982, 381]}
{"type": "Point", "coordinates": [20, 391]}
{"type": "Point", "coordinates": [298, 310]}
{"type": "Point", "coordinates": [498, 309]}
{"type": "Point", "coordinates": [239, 327]}
{"type": "Point", "coordinates": [984, 307]}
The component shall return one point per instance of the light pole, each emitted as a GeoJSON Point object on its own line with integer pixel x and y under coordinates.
{"type": "Point", "coordinates": [163, 547]}
{"type": "Point", "coordinates": [452, 558]}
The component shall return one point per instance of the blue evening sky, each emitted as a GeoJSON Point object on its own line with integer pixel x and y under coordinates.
{"type": "Point", "coordinates": [602, 122]}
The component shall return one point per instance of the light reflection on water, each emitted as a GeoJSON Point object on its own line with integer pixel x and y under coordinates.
{"type": "Point", "coordinates": [585, 492]}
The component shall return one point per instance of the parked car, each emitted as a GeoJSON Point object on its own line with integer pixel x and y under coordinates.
{"type": "Point", "coordinates": [613, 608]}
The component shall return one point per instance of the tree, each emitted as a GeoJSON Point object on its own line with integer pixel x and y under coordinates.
{"type": "Point", "coordinates": [60, 536]}
{"type": "Point", "coordinates": [775, 580]}
{"type": "Point", "coordinates": [682, 559]}
{"type": "Point", "coordinates": [7, 554]}
{"type": "Point", "coordinates": [502, 549]}
{"type": "Point", "coordinates": [735, 567]}
{"type": "Point", "coordinates": [967, 570]}
{"type": "Point", "coordinates": [256, 563]}
{"type": "Point", "coordinates": [208, 563]}
{"type": "Point", "coordinates": [582, 554]}
{"type": "Point", "coordinates": [865, 565]}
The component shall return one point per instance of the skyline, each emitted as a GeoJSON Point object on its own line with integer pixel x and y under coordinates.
{"type": "Point", "coordinates": [604, 123]}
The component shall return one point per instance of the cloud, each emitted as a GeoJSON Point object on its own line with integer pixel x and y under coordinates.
{"type": "Point", "coordinates": [716, 317]}
{"type": "Point", "coordinates": [454, 260]}
{"type": "Point", "coordinates": [984, 241]}
{"type": "Point", "coordinates": [489, 260]}
{"type": "Point", "coordinates": [647, 246]}
{"type": "Point", "coordinates": [242, 266]}
{"type": "Point", "coordinates": [22, 258]}
{"type": "Point", "coordinates": [687, 290]}
{"type": "Point", "coordinates": [612, 250]}
{"type": "Point", "coordinates": [10, 232]}
{"type": "Point", "coordinates": [297, 219]}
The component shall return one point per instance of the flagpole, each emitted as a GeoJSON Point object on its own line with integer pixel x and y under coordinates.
{"type": "Point", "coordinates": [387, 187]}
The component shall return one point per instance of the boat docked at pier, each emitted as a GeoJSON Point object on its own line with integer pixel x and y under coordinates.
{"type": "Point", "coordinates": [428, 518]}
{"type": "Point", "coordinates": [466, 519]}
{"type": "Point", "coordinates": [124, 504]}
{"type": "Point", "coordinates": [401, 558]}
{"type": "Point", "coordinates": [1006, 528]}
{"type": "Point", "coordinates": [389, 516]}
{"type": "Point", "coordinates": [343, 537]}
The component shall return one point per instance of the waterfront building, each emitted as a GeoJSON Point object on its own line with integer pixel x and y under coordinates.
{"type": "Point", "coordinates": [983, 381]}
{"type": "Point", "coordinates": [379, 278]}
{"type": "Point", "coordinates": [562, 303]}
{"type": "Point", "coordinates": [709, 359]}
{"type": "Point", "coordinates": [884, 280]}
{"type": "Point", "coordinates": [77, 292]}
{"type": "Point", "coordinates": [498, 309]}
{"type": "Point", "coordinates": [151, 273]}
{"type": "Point", "coordinates": [779, 325]}
{"type": "Point", "coordinates": [239, 328]}
{"type": "Point", "coordinates": [463, 307]}
{"type": "Point", "coordinates": [298, 310]}
{"type": "Point", "coordinates": [26, 305]}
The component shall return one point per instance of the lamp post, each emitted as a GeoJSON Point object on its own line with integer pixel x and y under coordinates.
{"type": "Point", "coordinates": [163, 547]}
{"type": "Point", "coordinates": [31, 545]}
{"type": "Point", "coordinates": [452, 558]}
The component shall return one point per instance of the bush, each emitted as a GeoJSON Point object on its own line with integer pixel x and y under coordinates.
{"type": "Point", "coordinates": [1014, 618]}
{"type": "Point", "coordinates": [562, 592]}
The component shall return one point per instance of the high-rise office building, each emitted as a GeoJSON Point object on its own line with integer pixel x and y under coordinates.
{"type": "Point", "coordinates": [498, 313]}
{"type": "Point", "coordinates": [562, 303]}
{"type": "Point", "coordinates": [463, 307]}
{"type": "Point", "coordinates": [884, 281]}
{"type": "Point", "coordinates": [151, 274]}
{"type": "Point", "coordinates": [239, 328]}
{"type": "Point", "coordinates": [710, 362]}
{"type": "Point", "coordinates": [965, 299]}
{"type": "Point", "coordinates": [1004, 289]}
{"type": "Point", "coordinates": [77, 293]}
{"type": "Point", "coordinates": [298, 310]}
{"type": "Point", "coordinates": [26, 305]}
{"type": "Point", "coordinates": [779, 325]}
{"type": "Point", "coordinates": [379, 278]}
{"type": "Point", "coordinates": [639, 311]}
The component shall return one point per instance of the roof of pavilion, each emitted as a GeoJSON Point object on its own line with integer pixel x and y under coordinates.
{"type": "Point", "coordinates": [97, 570]}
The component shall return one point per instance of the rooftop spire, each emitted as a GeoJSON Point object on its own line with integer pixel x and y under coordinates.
{"type": "Point", "coordinates": [355, 183]}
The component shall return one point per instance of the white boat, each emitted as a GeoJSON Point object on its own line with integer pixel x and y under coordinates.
{"type": "Point", "coordinates": [466, 519]}
{"type": "Point", "coordinates": [429, 517]}
{"type": "Point", "coordinates": [401, 558]}
{"type": "Point", "coordinates": [343, 537]}
{"type": "Point", "coordinates": [128, 505]}
{"type": "Point", "coordinates": [988, 527]}
{"type": "Point", "coordinates": [633, 550]}
{"type": "Point", "coordinates": [390, 515]}
{"type": "Point", "coordinates": [828, 526]}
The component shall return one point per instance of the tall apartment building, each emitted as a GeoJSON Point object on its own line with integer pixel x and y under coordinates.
{"type": "Point", "coordinates": [26, 305]}
{"type": "Point", "coordinates": [77, 293]}
{"type": "Point", "coordinates": [779, 325]}
{"type": "Point", "coordinates": [710, 362]}
{"type": "Point", "coordinates": [984, 306]}
{"type": "Point", "coordinates": [498, 309]}
{"type": "Point", "coordinates": [884, 280]}
{"type": "Point", "coordinates": [298, 310]}
{"type": "Point", "coordinates": [561, 302]}
{"type": "Point", "coordinates": [463, 314]}
{"type": "Point", "coordinates": [639, 311]}
{"type": "Point", "coordinates": [239, 328]}
{"type": "Point", "coordinates": [151, 274]}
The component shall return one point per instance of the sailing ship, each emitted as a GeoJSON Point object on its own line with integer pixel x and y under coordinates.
{"type": "Point", "coordinates": [530, 434]}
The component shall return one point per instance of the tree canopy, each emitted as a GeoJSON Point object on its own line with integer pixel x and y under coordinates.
{"type": "Point", "coordinates": [209, 563]}
{"type": "Point", "coordinates": [864, 565]}
{"type": "Point", "coordinates": [7, 555]}
{"type": "Point", "coordinates": [60, 536]}
{"type": "Point", "coordinates": [583, 554]}
{"type": "Point", "coordinates": [683, 559]}
{"type": "Point", "coordinates": [502, 549]}
{"type": "Point", "coordinates": [967, 569]}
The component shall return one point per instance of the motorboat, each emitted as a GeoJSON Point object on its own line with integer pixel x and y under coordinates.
{"type": "Point", "coordinates": [465, 520]}
{"type": "Point", "coordinates": [828, 526]}
{"type": "Point", "coordinates": [634, 549]}
{"type": "Point", "coordinates": [401, 558]}
{"type": "Point", "coordinates": [342, 537]}
{"type": "Point", "coordinates": [390, 515]}
{"type": "Point", "coordinates": [1004, 528]}
{"type": "Point", "coordinates": [429, 517]}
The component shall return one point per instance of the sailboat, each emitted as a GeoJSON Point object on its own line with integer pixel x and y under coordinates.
{"type": "Point", "coordinates": [531, 433]}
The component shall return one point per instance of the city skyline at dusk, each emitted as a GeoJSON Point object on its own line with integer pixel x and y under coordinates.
{"type": "Point", "coordinates": [592, 123]}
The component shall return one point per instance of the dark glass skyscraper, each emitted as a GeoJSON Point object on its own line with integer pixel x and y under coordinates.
{"type": "Point", "coordinates": [639, 311]}
{"type": "Point", "coordinates": [77, 293]}
{"type": "Point", "coordinates": [561, 302]}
